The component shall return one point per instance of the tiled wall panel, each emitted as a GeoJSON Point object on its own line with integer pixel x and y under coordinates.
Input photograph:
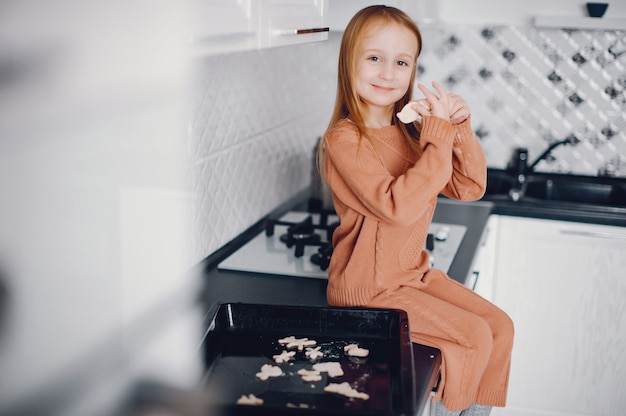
{"type": "Point", "coordinates": [255, 120]}
{"type": "Point", "coordinates": [531, 88]}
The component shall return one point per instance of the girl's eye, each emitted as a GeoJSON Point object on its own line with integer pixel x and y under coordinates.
{"type": "Point", "coordinates": [374, 58]}
{"type": "Point", "coordinates": [402, 63]}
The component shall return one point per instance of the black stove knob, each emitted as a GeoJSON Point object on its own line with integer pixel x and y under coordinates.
{"type": "Point", "coordinates": [430, 242]}
{"type": "Point", "coordinates": [299, 251]}
{"type": "Point", "coordinates": [269, 227]}
{"type": "Point", "coordinates": [323, 255]}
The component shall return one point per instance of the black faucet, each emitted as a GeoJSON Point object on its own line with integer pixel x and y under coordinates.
{"type": "Point", "coordinates": [571, 140]}
{"type": "Point", "coordinates": [519, 167]}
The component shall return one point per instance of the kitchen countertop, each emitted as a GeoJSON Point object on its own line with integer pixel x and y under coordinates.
{"type": "Point", "coordinates": [561, 211]}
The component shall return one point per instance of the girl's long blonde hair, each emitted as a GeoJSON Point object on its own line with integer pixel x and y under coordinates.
{"type": "Point", "coordinates": [348, 103]}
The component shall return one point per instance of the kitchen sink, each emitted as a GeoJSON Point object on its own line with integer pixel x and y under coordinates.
{"type": "Point", "coordinates": [499, 182]}
{"type": "Point", "coordinates": [578, 191]}
{"type": "Point", "coordinates": [538, 187]}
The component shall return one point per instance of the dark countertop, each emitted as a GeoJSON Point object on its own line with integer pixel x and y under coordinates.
{"type": "Point", "coordinates": [593, 200]}
{"type": "Point", "coordinates": [474, 216]}
{"type": "Point", "coordinates": [561, 211]}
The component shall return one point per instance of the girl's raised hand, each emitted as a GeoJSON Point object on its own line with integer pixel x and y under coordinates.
{"type": "Point", "coordinates": [459, 110]}
{"type": "Point", "coordinates": [440, 106]}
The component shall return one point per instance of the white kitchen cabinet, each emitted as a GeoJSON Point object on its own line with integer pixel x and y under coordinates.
{"type": "Point", "coordinates": [294, 21]}
{"type": "Point", "coordinates": [224, 26]}
{"type": "Point", "coordinates": [481, 274]}
{"type": "Point", "coordinates": [221, 26]}
{"type": "Point", "coordinates": [564, 285]}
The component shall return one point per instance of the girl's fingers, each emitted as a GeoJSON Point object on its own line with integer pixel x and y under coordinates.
{"type": "Point", "coordinates": [461, 113]}
{"type": "Point", "coordinates": [442, 92]}
{"type": "Point", "coordinates": [427, 93]}
{"type": "Point", "coordinates": [448, 106]}
{"type": "Point", "coordinates": [459, 110]}
{"type": "Point", "coordinates": [438, 105]}
{"type": "Point", "coordinates": [422, 106]}
{"type": "Point", "coordinates": [413, 110]}
{"type": "Point", "coordinates": [456, 103]}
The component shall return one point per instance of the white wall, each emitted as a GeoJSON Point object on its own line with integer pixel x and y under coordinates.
{"type": "Point", "coordinates": [517, 12]}
{"type": "Point", "coordinates": [513, 12]}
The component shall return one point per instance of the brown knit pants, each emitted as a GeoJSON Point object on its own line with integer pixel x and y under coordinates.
{"type": "Point", "coordinates": [474, 336]}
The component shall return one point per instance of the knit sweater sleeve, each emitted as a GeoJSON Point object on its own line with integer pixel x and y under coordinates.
{"type": "Point", "coordinates": [469, 167]}
{"type": "Point", "coordinates": [360, 180]}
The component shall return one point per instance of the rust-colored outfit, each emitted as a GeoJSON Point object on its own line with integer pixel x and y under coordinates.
{"type": "Point", "coordinates": [385, 208]}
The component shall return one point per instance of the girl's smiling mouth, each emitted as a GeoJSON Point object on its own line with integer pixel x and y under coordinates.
{"type": "Point", "coordinates": [383, 88]}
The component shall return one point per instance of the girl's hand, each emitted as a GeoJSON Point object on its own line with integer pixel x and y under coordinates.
{"type": "Point", "coordinates": [438, 106]}
{"type": "Point", "coordinates": [459, 110]}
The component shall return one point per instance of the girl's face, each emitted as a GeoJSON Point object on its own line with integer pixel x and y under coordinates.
{"type": "Point", "coordinates": [384, 68]}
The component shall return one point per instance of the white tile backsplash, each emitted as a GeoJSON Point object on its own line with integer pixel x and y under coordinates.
{"type": "Point", "coordinates": [255, 120]}
{"type": "Point", "coordinates": [530, 88]}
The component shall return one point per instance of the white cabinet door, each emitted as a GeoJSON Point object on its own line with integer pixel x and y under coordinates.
{"type": "Point", "coordinates": [221, 26]}
{"type": "Point", "coordinates": [224, 26]}
{"type": "Point", "coordinates": [295, 21]}
{"type": "Point", "coordinates": [564, 286]}
{"type": "Point", "coordinates": [482, 271]}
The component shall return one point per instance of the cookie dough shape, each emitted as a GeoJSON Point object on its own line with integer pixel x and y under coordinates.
{"type": "Point", "coordinates": [310, 375]}
{"type": "Point", "coordinates": [314, 353]}
{"type": "Point", "coordinates": [284, 356]}
{"type": "Point", "coordinates": [345, 390]}
{"type": "Point", "coordinates": [250, 400]}
{"type": "Point", "coordinates": [354, 350]}
{"type": "Point", "coordinates": [333, 368]}
{"type": "Point", "coordinates": [268, 370]}
{"type": "Point", "coordinates": [408, 115]}
{"type": "Point", "coordinates": [299, 343]}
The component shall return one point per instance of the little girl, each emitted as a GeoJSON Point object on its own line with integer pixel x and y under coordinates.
{"type": "Point", "coordinates": [385, 177]}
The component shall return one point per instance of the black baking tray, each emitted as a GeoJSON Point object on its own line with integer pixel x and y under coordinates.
{"type": "Point", "coordinates": [243, 337]}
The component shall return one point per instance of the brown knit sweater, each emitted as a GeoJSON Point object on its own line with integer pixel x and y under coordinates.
{"type": "Point", "coordinates": [385, 206]}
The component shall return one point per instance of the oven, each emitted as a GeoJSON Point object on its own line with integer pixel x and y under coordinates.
{"type": "Point", "coordinates": [298, 244]}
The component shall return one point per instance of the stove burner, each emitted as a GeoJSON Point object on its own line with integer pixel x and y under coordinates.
{"type": "Point", "coordinates": [266, 253]}
{"type": "Point", "coordinates": [302, 234]}
{"type": "Point", "coordinates": [292, 239]}
{"type": "Point", "coordinates": [322, 257]}
{"type": "Point", "coordinates": [300, 241]}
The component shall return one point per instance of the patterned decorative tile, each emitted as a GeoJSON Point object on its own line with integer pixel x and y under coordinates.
{"type": "Point", "coordinates": [255, 120]}
{"type": "Point", "coordinates": [534, 87]}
